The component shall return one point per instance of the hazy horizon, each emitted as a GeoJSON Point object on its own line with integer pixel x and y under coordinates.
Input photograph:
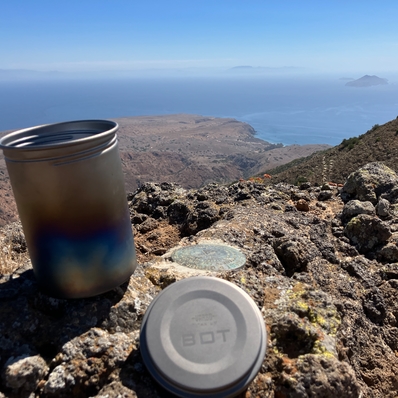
{"type": "Point", "coordinates": [237, 72]}
{"type": "Point", "coordinates": [104, 59]}
{"type": "Point", "coordinates": [355, 38]}
{"type": "Point", "coordinates": [281, 109]}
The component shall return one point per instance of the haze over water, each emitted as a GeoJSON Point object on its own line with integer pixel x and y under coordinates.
{"type": "Point", "coordinates": [290, 110]}
{"type": "Point", "coordinates": [108, 59]}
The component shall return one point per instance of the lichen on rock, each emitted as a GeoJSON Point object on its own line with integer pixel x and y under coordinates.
{"type": "Point", "coordinates": [325, 280]}
{"type": "Point", "coordinates": [370, 181]}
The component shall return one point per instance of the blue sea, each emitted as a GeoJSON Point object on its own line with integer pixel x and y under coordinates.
{"type": "Point", "coordinates": [281, 110]}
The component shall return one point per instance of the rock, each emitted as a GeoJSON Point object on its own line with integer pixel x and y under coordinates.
{"type": "Point", "coordinates": [296, 196]}
{"type": "Point", "coordinates": [178, 211]}
{"type": "Point", "coordinates": [369, 182]}
{"type": "Point", "coordinates": [338, 232]}
{"type": "Point", "coordinates": [141, 204]}
{"type": "Point", "coordinates": [329, 378]}
{"type": "Point", "coordinates": [305, 185]}
{"type": "Point", "coordinates": [326, 187]}
{"type": "Point", "coordinates": [148, 225]}
{"type": "Point", "coordinates": [201, 195]}
{"type": "Point", "coordinates": [356, 207]}
{"type": "Point", "coordinates": [325, 280]}
{"type": "Point", "coordinates": [391, 196]}
{"type": "Point", "coordinates": [374, 305]}
{"type": "Point", "coordinates": [302, 205]}
{"type": "Point", "coordinates": [294, 254]}
{"type": "Point", "coordinates": [23, 373]}
{"type": "Point", "coordinates": [389, 271]}
{"type": "Point", "coordinates": [300, 316]}
{"type": "Point", "coordinates": [117, 390]}
{"type": "Point", "coordinates": [389, 253]}
{"type": "Point", "coordinates": [292, 336]}
{"type": "Point", "coordinates": [325, 195]}
{"type": "Point", "coordinates": [366, 232]}
{"type": "Point", "coordinates": [152, 195]}
{"type": "Point", "coordinates": [291, 208]}
{"type": "Point", "coordinates": [137, 218]}
{"type": "Point", "coordinates": [202, 216]}
{"type": "Point", "coordinates": [60, 380]}
{"type": "Point", "coordinates": [319, 236]}
{"type": "Point", "coordinates": [383, 208]}
{"type": "Point", "coordinates": [85, 362]}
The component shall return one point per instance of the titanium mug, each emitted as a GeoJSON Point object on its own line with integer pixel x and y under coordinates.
{"type": "Point", "coordinates": [69, 189]}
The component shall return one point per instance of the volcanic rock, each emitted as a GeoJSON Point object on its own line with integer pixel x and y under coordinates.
{"type": "Point", "coordinates": [325, 281]}
{"type": "Point", "coordinates": [370, 182]}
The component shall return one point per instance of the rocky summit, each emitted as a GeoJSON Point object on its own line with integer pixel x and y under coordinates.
{"type": "Point", "coordinates": [321, 265]}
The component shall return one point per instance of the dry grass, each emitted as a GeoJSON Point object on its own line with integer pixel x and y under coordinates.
{"type": "Point", "coordinates": [13, 251]}
{"type": "Point", "coordinates": [9, 261]}
{"type": "Point", "coordinates": [379, 144]}
{"type": "Point", "coordinates": [6, 263]}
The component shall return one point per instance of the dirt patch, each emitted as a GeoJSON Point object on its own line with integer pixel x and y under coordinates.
{"type": "Point", "coordinates": [154, 243]}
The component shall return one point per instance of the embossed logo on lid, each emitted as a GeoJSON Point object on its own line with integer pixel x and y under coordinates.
{"type": "Point", "coordinates": [203, 336]}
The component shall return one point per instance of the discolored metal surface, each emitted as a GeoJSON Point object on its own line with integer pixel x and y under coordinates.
{"type": "Point", "coordinates": [210, 257]}
{"type": "Point", "coordinates": [68, 184]}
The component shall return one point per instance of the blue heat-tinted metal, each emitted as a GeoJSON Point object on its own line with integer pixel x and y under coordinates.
{"type": "Point", "coordinates": [68, 265]}
{"type": "Point", "coordinates": [69, 189]}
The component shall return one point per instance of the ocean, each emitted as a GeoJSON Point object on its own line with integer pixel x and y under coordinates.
{"type": "Point", "coordinates": [281, 110]}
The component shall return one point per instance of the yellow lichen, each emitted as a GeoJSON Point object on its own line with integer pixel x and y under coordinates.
{"type": "Point", "coordinates": [326, 318]}
{"type": "Point", "coordinates": [276, 351]}
{"type": "Point", "coordinates": [302, 305]}
{"type": "Point", "coordinates": [320, 349]}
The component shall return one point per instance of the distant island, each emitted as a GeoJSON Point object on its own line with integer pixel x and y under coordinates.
{"type": "Point", "coordinates": [367, 81]}
{"type": "Point", "coordinates": [248, 69]}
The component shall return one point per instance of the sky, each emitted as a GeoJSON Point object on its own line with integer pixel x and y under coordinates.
{"type": "Point", "coordinates": [119, 35]}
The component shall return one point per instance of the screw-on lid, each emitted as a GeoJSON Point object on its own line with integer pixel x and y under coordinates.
{"type": "Point", "coordinates": [203, 336]}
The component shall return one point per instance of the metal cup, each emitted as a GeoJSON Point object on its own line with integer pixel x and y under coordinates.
{"type": "Point", "coordinates": [69, 189]}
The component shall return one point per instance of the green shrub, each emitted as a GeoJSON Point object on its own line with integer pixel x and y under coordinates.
{"type": "Point", "coordinates": [300, 180]}
{"type": "Point", "coordinates": [350, 143]}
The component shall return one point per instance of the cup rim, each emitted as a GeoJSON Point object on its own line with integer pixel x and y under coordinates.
{"type": "Point", "coordinates": [13, 141]}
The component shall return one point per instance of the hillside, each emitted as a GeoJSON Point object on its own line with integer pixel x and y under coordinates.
{"type": "Point", "coordinates": [194, 150]}
{"type": "Point", "coordinates": [335, 164]}
{"type": "Point", "coordinates": [190, 150]}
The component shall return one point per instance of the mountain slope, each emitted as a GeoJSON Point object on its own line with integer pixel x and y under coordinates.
{"type": "Point", "coordinates": [191, 150]}
{"type": "Point", "coordinates": [378, 144]}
